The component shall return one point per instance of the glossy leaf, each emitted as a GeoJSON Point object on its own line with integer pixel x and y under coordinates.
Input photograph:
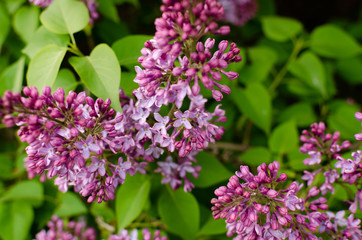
{"type": "Point", "coordinates": [108, 9]}
{"type": "Point", "coordinates": [15, 220]}
{"type": "Point", "coordinates": [284, 138]}
{"type": "Point", "coordinates": [25, 22]}
{"type": "Point", "coordinates": [5, 24]}
{"type": "Point", "coordinates": [65, 16]}
{"type": "Point", "coordinates": [44, 67]}
{"type": "Point", "coordinates": [280, 29]}
{"type": "Point", "coordinates": [65, 80]}
{"type": "Point", "coordinates": [12, 77]}
{"type": "Point", "coordinates": [351, 69]}
{"type": "Point", "coordinates": [131, 199]}
{"type": "Point", "coordinates": [302, 113]}
{"type": "Point", "coordinates": [101, 73]}
{"type": "Point", "coordinates": [179, 212]}
{"type": "Point", "coordinates": [256, 156]}
{"type": "Point", "coordinates": [342, 119]}
{"type": "Point", "coordinates": [332, 41]}
{"type": "Point", "coordinates": [42, 38]}
{"type": "Point", "coordinates": [258, 109]}
{"type": "Point", "coordinates": [128, 83]}
{"type": "Point", "coordinates": [128, 49]}
{"type": "Point", "coordinates": [211, 226]}
{"type": "Point", "coordinates": [309, 68]}
{"type": "Point", "coordinates": [70, 205]}
{"type": "Point", "coordinates": [212, 171]}
{"type": "Point", "coordinates": [29, 190]}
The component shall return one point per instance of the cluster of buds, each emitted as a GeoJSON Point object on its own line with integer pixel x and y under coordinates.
{"type": "Point", "coordinates": [175, 64]}
{"type": "Point", "coordinates": [260, 208]}
{"type": "Point", "coordinates": [133, 235]}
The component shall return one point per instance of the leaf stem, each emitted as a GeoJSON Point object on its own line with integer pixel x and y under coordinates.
{"type": "Point", "coordinates": [298, 46]}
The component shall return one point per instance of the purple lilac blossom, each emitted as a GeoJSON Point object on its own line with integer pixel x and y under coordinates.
{"type": "Point", "coordinates": [62, 230]}
{"type": "Point", "coordinates": [133, 235]}
{"type": "Point", "coordinates": [239, 12]}
{"type": "Point", "coordinates": [258, 208]}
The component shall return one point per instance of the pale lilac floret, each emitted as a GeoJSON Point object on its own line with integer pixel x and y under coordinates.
{"type": "Point", "coordinates": [182, 119]}
{"type": "Point", "coordinates": [88, 146]}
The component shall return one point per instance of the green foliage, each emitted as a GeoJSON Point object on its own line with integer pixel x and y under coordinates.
{"type": "Point", "coordinates": [284, 138]}
{"type": "Point", "coordinates": [42, 38]}
{"type": "Point", "coordinates": [12, 77]}
{"type": "Point", "coordinates": [101, 73]}
{"type": "Point", "coordinates": [256, 156]}
{"type": "Point", "coordinates": [131, 199]}
{"type": "Point", "coordinates": [281, 29]}
{"type": "Point", "coordinates": [128, 49]}
{"type": "Point", "coordinates": [65, 16]}
{"type": "Point", "coordinates": [257, 109]}
{"type": "Point", "coordinates": [70, 205]}
{"type": "Point", "coordinates": [212, 170]}
{"type": "Point", "coordinates": [25, 22]}
{"type": "Point", "coordinates": [180, 213]}
{"type": "Point", "coordinates": [44, 67]}
{"type": "Point", "coordinates": [30, 191]}
{"type": "Point", "coordinates": [331, 41]}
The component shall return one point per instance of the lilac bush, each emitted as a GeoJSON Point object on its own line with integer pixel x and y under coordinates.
{"type": "Point", "coordinates": [144, 128]}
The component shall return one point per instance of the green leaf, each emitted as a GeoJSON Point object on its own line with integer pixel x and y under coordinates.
{"type": "Point", "coordinates": [44, 67]}
{"type": "Point", "coordinates": [65, 80]}
{"type": "Point", "coordinates": [256, 156]}
{"type": "Point", "coordinates": [280, 29]}
{"type": "Point", "coordinates": [5, 24]}
{"type": "Point", "coordinates": [29, 190]}
{"type": "Point", "coordinates": [212, 226]}
{"type": "Point", "coordinates": [70, 205]}
{"type": "Point", "coordinates": [342, 119]}
{"type": "Point", "coordinates": [309, 68]}
{"type": "Point", "coordinates": [263, 54]}
{"type": "Point", "coordinates": [179, 211]}
{"type": "Point", "coordinates": [65, 16]}
{"type": "Point", "coordinates": [12, 77]}
{"type": "Point", "coordinates": [13, 5]}
{"type": "Point", "coordinates": [42, 38]}
{"type": "Point", "coordinates": [102, 210]}
{"type": "Point", "coordinates": [351, 69]}
{"type": "Point", "coordinates": [128, 49]}
{"type": "Point", "coordinates": [332, 41]}
{"type": "Point", "coordinates": [131, 199]}
{"type": "Point", "coordinates": [16, 219]}
{"type": "Point", "coordinates": [301, 112]}
{"type": "Point", "coordinates": [258, 109]}
{"type": "Point", "coordinates": [134, 2]}
{"type": "Point", "coordinates": [128, 83]}
{"type": "Point", "coordinates": [295, 160]}
{"type": "Point", "coordinates": [108, 9]}
{"type": "Point", "coordinates": [212, 171]}
{"type": "Point", "coordinates": [26, 21]}
{"type": "Point", "coordinates": [284, 138]}
{"type": "Point", "coordinates": [101, 73]}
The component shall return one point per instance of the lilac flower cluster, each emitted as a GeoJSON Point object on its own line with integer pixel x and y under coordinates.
{"type": "Point", "coordinates": [69, 137]}
{"type": "Point", "coordinates": [133, 235]}
{"type": "Point", "coordinates": [260, 208]}
{"type": "Point", "coordinates": [239, 12]}
{"type": "Point", "coordinates": [324, 146]}
{"type": "Point", "coordinates": [175, 62]}
{"type": "Point", "coordinates": [91, 5]}
{"type": "Point", "coordinates": [71, 230]}
{"type": "Point", "coordinates": [59, 230]}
